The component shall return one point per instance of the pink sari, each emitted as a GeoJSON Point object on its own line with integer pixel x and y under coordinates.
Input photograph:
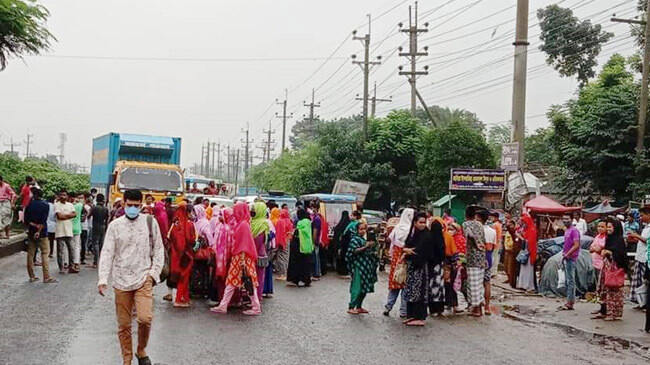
{"type": "Point", "coordinates": [220, 241]}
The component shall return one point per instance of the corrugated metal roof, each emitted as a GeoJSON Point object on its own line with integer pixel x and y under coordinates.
{"type": "Point", "coordinates": [444, 200]}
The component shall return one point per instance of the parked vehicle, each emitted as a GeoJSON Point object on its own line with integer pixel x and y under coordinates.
{"type": "Point", "coordinates": [219, 199]}
{"type": "Point", "coordinates": [124, 161]}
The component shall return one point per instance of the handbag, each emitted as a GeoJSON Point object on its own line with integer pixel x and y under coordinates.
{"type": "Point", "coordinates": [614, 277]}
{"type": "Point", "coordinates": [263, 261]}
{"type": "Point", "coordinates": [523, 255]}
{"type": "Point", "coordinates": [399, 276]}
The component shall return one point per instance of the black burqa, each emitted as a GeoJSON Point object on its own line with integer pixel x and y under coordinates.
{"type": "Point", "coordinates": [616, 244]}
{"type": "Point", "coordinates": [340, 245]}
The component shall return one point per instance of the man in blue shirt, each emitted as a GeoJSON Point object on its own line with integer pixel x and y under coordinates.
{"type": "Point", "coordinates": [36, 221]}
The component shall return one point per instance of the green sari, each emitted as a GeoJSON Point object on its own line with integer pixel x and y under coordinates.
{"type": "Point", "coordinates": [362, 265]}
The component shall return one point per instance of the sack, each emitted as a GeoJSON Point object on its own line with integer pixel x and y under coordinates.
{"type": "Point", "coordinates": [263, 261]}
{"type": "Point", "coordinates": [399, 276]}
{"type": "Point", "coordinates": [446, 273]}
{"type": "Point", "coordinates": [561, 278]}
{"type": "Point", "coordinates": [614, 278]}
{"type": "Point", "coordinates": [523, 255]}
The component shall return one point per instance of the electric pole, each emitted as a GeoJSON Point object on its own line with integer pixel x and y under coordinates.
{"type": "Point", "coordinates": [413, 54]}
{"type": "Point", "coordinates": [237, 172]}
{"type": "Point", "coordinates": [311, 107]}
{"type": "Point", "coordinates": [12, 145]}
{"type": "Point", "coordinates": [374, 100]}
{"type": "Point", "coordinates": [218, 171]}
{"type": "Point", "coordinates": [28, 142]}
{"type": "Point", "coordinates": [230, 161]}
{"type": "Point", "coordinates": [63, 138]}
{"type": "Point", "coordinates": [207, 159]}
{"type": "Point", "coordinates": [365, 65]}
{"type": "Point", "coordinates": [284, 117]}
{"type": "Point", "coordinates": [519, 80]}
{"type": "Point", "coordinates": [266, 156]}
{"type": "Point", "coordinates": [247, 155]}
{"type": "Point", "coordinates": [643, 103]}
{"type": "Point", "coordinates": [202, 157]}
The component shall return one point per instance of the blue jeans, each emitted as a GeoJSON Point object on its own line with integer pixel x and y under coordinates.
{"type": "Point", "coordinates": [316, 257]}
{"type": "Point", "coordinates": [570, 272]}
{"type": "Point", "coordinates": [392, 298]}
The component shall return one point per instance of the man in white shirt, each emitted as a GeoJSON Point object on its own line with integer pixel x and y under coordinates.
{"type": "Point", "coordinates": [133, 256]}
{"type": "Point", "coordinates": [65, 213]}
{"type": "Point", "coordinates": [641, 257]}
{"type": "Point", "coordinates": [580, 224]}
{"type": "Point", "coordinates": [490, 243]}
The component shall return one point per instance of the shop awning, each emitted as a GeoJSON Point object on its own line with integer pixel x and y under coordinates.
{"type": "Point", "coordinates": [603, 208]}
{"type": "Point", "coordinates": [543, 204]}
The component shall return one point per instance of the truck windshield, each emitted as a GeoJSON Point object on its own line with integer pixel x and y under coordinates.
{"type": "Point", "coordinates": [144, 178]}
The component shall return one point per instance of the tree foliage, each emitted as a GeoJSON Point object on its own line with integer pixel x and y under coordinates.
{"type": "Point", "coordinates": [572, 46]}
{"type": "Point", "coordinates": [595, 138]}
{"type": "Point", "coordinates": [22, 29]}
{"type": "Point", "coordinates": [446, 116]}
{"type": "Point", "coordinates": [456, 145]}
{"type": "Point", "coordinates": [49, 176]}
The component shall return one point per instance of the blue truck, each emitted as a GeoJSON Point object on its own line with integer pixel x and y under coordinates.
{"type": "Point", "coordinates": [122, 161]}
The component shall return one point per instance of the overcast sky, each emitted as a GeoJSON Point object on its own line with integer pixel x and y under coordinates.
{"type": "Point", "coordinates": [203, 69]}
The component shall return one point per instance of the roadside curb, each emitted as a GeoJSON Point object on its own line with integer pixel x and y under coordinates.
{"type": "Point", "coordinates": [626, 342]}
{"type": "Point", "coordinates": [12, 245]}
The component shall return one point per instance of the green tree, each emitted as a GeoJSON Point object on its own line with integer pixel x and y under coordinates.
{"type": "Point", "coordinates": [595, 138]}
{"type": "Point", "coordinates": [572, 46]}
{"type": "Point", "coordinates": [498, 135]}
{"type": "Point", "coordinates": [22, 29]}
{"type": "Point", "coordinates": [445, 116]}
{"type": "Point", "coordinates": [454, 146]}
{"type": "Point", "coordinates": [539, 148]}
{"type": "Point", "coordinates": [304, 131]}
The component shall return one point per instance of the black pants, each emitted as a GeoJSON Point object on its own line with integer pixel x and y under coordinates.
{"type": "Point", "coordinates": [50, 237]}
{"type": "Point", "coordinates": [416, 310]}
{"type": "Point", "coordinates": [84, 242]}
{"type": "Point", "coordinates": [98, 242]}
{"type": "Point", "coordinates": [647, 304]}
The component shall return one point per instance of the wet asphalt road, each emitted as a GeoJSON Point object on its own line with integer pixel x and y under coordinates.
{"type": "Point", "coordinates": [68, 323]}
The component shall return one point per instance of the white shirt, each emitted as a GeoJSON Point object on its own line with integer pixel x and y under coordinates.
{"type": "Point", "coordinates": [490, 234]}
{"type": "Point", "coordinates": [642, 248]}
{"type": "Point", "coordinates": [51, 219]}
{"type": "Point", "coordinates": [581, 226]}
{"type": "Point", "coordinates": [63, 227]}
{"type": "Point", "coordinates": [126, 255]}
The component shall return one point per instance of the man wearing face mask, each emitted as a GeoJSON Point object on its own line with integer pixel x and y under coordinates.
{"type": "Point", "coordinates": [133, 256]}
{"type": "Point", "coordinates": [570, 253]}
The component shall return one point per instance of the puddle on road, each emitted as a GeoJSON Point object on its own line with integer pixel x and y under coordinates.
{"type": "Point", "coordinates": [605, 341]}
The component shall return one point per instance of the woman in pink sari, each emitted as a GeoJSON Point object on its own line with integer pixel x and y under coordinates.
{"type": "Point", "coordinates": [242, 271]}
{"type": "Point", "coordinates": [220, 239]}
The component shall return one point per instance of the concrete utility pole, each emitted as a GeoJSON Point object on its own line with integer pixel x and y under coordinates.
{"type": "Point", "coordinates": [374, 100]}
{"type": "Point", "coordinates": [413, 54]}
{"type": "Point", "coordinates": [218, 171]}
{"type": "Point", "coordinates": [643, 103]}
{"type": "Point", "coordinates": [519, 81]}
{"type": "Point", "coordinates": [284, 117]}
{"type": "Point", "coordinates": [12, 145]}
{"type": "Point", "coordinates": [311, 107]}
{"type": "Point", "coordinates": [247, 143]}
{"type": "Point", "coordinates": [202, 157]}
{"type": "Point", "coordinates": [63, 138]}
{"type": "Point", "coordinates": [266, 156]}
{"type": "Point", "coordinates": [207, 159]}
{"type": "Point", "coordinates": [237, 171]}
{"type": "Point", "coordinates": [365, 65]}
{"type": "Point", "coordinates": [28, 142]}
{"type": "Point", "coordinates": [230, 160]}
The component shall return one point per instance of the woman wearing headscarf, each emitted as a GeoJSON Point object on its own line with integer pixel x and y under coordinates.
{"type": "Point", "coordinates": [271, 245]}
{"type": "Point", "coordinates": [362, 262]}
{"type": "Point", "coordinates": [614, 259]}
{"type": "Point", "coordinates": [242, 269]}
{"type": "Point", "coordinates": [397, 240]}
{"type": "Point", "coordinates": [301, 248]}
{"type": "Point", "coordinates": [181, 238]}
{"type": "Point", "coordinates": [511, 250]}
{"type": "Point", "coordinates": [341, 266]}
{"type": "Point", "coordinates": [160, 213]}
{"type": "Point", "coordinates": [260, 230]}
{"type": "Point", "coordinates": [527, 233]}
{"type": "Point", "coordinates": [418, 251]}
{"type": "Point", "coordinates": [450, 266]}
{"type": "Point", "coordinates": [275, 215]}
{"type": "Point", "coordinates": [435, 269]}
{"type": "Point", "coordinates": [283, 232]}
{"type": "Point", "coordinates": [459, 272]}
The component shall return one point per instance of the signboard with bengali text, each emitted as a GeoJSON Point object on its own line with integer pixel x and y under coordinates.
{"type": "Point", "coordinates": [477, 179]}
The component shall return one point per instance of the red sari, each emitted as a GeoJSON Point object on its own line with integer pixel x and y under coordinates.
{"type": "Point", "coordinates": [181, 237]}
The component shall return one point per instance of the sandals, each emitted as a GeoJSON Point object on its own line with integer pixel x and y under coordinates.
{"type": "Point", "coordinates": [406, 321]}
{"type": "Point", "coordinates": [363, 311]}
{"type": "Point", "coordinates": [416, 323]}
{"type": "Point", "coordinates": [218, 310]}
{"type": "Point", "coordinates": [32, 280]}
{"type": "Point", "coordinates": [353, 311]}
{"type": "Point", "coordinates": [565, 308]}
{"type": "Point", "coordinates": [50, 280]}
{"type": "Point", "coordinates": [251, 312]}
{"type": "Point", "coordinates": [143, 360]}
